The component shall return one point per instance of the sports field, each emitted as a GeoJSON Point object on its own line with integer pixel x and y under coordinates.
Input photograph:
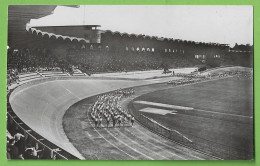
{"type": "Point", "coordinates": [221, 116]}
{"type": "Point", "coordinates": [234, 96]}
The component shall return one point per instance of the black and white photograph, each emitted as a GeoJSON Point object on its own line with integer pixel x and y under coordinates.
{"type": "Point", "coordinates": [130, 82]}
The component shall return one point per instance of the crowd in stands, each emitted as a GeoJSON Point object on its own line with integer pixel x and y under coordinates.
{"type": "Point", "coordinates": [96, 61]}
{"type": "Point", "coordinates": [107, 109]}
{"type": "Point", "coordinates": [35, 60]}
{"type": "Point", "coordinates": [21, 147]}
{"type": "Point", "coordinates": [121, 61]}
{"type": "Point", "coordinates": [24, 143]}
{"type": "Point", "coordinates": [12, 76]}
{"type": "Point", "coordinates": [18, 149]}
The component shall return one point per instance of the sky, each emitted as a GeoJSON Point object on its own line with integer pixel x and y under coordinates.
{"type": "Point", "coordinates": [217, 24]}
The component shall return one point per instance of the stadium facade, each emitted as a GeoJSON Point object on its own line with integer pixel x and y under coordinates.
{"type": "Point", "coordinates": [85, 43]}
{"type": "Point", "coordinates": [91, 38]}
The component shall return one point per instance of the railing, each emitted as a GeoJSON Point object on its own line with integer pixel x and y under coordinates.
{"type": "Point", "coordinates": [223, 67]}
{"type": "Point", "coordinates": [33, 139]}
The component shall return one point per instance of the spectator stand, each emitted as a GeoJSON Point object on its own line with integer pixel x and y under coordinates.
{"type": "Point", "coordinates": [32, 145]}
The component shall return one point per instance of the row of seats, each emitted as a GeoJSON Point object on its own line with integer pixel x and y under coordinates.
{"type": "Point", "coordinates": [24, 143]}
{"type": "Point", "coordinates": [14, 77]}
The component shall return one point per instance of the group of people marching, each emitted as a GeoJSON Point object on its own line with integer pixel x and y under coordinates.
{"type": "Point", "coordinates": [248, 75]}
{"type": "Point", "coordinates": [187, 79]}
{"type": "Point", "coordinates": [183, 81]}
{"type": "Point", "coordinates": [196, 78]}
{"type": "Point", "coordinates": [107, 109]}
{"type": "Point", "coordinates": [245, 74]}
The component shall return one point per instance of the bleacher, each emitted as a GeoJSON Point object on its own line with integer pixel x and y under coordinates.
{"type": "Point", "coordinates": [29, 76]}
{"type": "Point", "coordinates": [32, 144]}
{"type": "Point", "coordinates": [53, 74]}
{"type": "Point", "coordinates": [24, 77]}
{"type": "Point", "coordinates": [77, 72]}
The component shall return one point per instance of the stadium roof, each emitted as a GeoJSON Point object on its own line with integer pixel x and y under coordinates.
{"type": "Point", "coordinates": [19, 16]}
{"type": "Point", "coordinates": [70, 26]}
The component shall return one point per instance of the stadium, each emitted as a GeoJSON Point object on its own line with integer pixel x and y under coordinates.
{"type": "Point", "coordinates": [78, 92]}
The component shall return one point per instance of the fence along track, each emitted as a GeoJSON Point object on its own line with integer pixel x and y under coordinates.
{"type": "Point", "coordinates": [216, 150]}
{"type": "Point", "coordinates": [15, 123]}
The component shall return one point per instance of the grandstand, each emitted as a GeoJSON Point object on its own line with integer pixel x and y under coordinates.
{"type": "Point", "coordinates": [67, 85]}
{"type": "Point", "coordinates": [95, 51]}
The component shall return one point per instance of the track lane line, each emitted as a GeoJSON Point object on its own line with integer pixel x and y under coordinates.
{"type": "Point", "coordinates": [141, 145]}
{"type": "Point", "coordinates": [109, 141]}
{"type": "Point", "coordinates": [160, 147]}
{"type": "Point", "coordinates": [128, 145]}
{"type": "Point", "coordinates": [164, 144]}
{"type": "Point", "coordinates": [155, 140]}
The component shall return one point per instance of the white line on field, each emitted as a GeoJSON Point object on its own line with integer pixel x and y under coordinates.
{"type": "Point", "coordinates": [70, 92]}
{"type": "Point", "coordinates": [129, 146]}
{"type": "Point", "coordinates": [159, 147]}
{"type": "Point", "coordinates": [183, 135]}
{"type": "Point", "coordinates": [168, 145]}
{"type": "Point", "coordinates": [110, 142]}
{"type": "Point", "coordinates": [141, 145]}
{"type": "Point", "coordinates": [236, 115]}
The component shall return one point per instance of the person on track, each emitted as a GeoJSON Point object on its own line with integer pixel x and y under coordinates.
{"type": "Point", "coordinates": [114, 122]}
{"type": "Point", "coordinates": [119, 121]}
{"type": "Point", "coordinates": [108, 120]}
{"type": "Point", "coordinates": [132, 120]}
{"type": "Point", "coordinates": [96, 122]}
{"type": "Point", "coordinates": [125, 120]}
{"type": "Point", "coordinates": [100, 121]}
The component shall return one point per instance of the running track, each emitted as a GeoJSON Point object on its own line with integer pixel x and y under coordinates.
{"type": "Point", "coordinates": [128, 143]}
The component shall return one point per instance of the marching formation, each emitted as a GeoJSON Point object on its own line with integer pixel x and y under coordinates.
{"type": "Point", "coordinates": [187, 79]}
{"type": "Point", "coordinates": [192, 78]}
{"type": "Point", "coordinates": [183, 81]}
{"type": "Point", "coordinates": [107, 109]}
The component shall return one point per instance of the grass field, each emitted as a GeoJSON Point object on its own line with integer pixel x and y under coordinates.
{"type": "Point", "coordinates": [228, 96]}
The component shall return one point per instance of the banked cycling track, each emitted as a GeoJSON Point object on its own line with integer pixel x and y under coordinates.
{"type": "Point", "coordinates": [42, 105]}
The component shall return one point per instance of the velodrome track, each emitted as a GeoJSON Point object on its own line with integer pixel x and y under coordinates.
{"type": "Point", "coordinates": [42, 105]}
{"type": "Point", "coordinates": [125, 142]}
